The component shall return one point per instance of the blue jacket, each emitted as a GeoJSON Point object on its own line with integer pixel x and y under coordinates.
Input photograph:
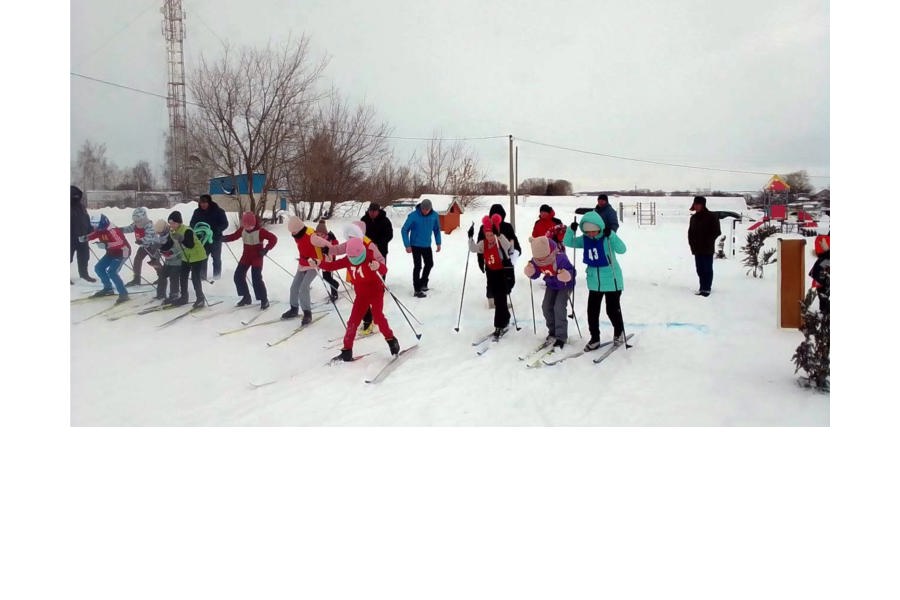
{"type": "Point", "coordinates": [418, 229]}
{"type": "Point", "coordinates": [610, 218]}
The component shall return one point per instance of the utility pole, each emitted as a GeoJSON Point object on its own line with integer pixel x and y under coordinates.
{"type": "Point", "coordinates": [173, 32]}
{"type": "Point", "coordinates": [512, 186]}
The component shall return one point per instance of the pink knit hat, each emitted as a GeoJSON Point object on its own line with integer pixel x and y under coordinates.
{"type": "Point", "coordinates": [248, 220]}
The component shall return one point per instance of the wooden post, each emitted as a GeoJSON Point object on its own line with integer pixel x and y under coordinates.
{"type": "Point", "coordinates": [791, 281]}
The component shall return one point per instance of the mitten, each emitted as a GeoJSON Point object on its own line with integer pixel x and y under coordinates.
{"type": "Point", "coordinates": [471, 231]}
{"type": "Point", "coordinates": [529, 270]}
{"type": "Point", "coordinates": [263, 252]}
{"type": "Point", "coordinates": [564, 275]}
{"type": "Point", "coordinates": [313, 263]}
{"type": "Point", "coordinates": [374, 265]}
{"type": "Point", "coordinates": [606, 232]}
{"type": "Point", "coordinates": [574, 226]}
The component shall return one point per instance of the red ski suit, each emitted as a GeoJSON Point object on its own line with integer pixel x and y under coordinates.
{"type": "Point", "coordinates": [369, 293]}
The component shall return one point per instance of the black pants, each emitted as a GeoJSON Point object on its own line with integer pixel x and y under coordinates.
{"type": "Point", "coordinates": [83, 251]}
{"type": "Point", "coordinates": [704, 264]}
{"type": "Point", "coordinates": [240, 282]}
{"type": "Point", "coordinates": [195, 270]}
{"type": "Point", "coordinates": [510, 282]}
{"type": "Point", "coordinates": [328, 276]}
{"type": "Point", "coordinates": [421, 255]}
{"type": "Point", "coordinates": [499, 287]}
{"type": "Point", "coordinates": [170, 277]}
{"type": "Point", "coordinates": [214, 249]}
{"type": "Point", "coordinates": [613, 311]}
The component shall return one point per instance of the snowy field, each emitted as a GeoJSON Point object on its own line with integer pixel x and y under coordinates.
{"type": "Point", "coordinates": [717, 361]}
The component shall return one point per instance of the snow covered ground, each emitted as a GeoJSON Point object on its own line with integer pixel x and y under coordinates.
{"type": "Point", "coordinates": [717, 361]}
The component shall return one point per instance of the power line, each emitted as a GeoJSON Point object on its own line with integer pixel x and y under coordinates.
{"type": "Point", "coordinates": [117, 32]}
{"type": "Point", "coordinates": [654, 162]}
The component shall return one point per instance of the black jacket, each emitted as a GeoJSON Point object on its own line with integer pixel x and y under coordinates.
{"type": "Point", "coordinates": [380, 230]}
{"type": "Point", "coordinates": [213, 216]}
{"type": "Point", "coordinates": [506, 229]}
{"type": "Point", "coordinates": [703, 232]}
{"type": "Point", "coordinates": [81, 220]}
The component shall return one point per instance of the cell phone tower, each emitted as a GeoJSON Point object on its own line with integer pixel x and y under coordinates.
{"type": "Point", "coordinates": [173, 31]}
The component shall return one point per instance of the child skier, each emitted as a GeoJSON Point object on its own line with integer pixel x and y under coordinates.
{"type": "Point", "coordinates": [559, 275]}
{"type": "Point", "coordinates": [257, 242]}
{"type": "Point", "coordinates": [170, 274]}
{"type": "Point", "coordinates": [117, 250]}
{"type": "Point", "coordinates": [306, 272]}
{"type": "Point", "coordinates": [494, 253]}
{"type": "Point", "coordinates": [604, 276]}
{"type": "Point", "coordinates": [147, 242]}
{"type": "Point", "coordinates": [363, 270]}
{"type": "Point", "coordinates": [193, 257]}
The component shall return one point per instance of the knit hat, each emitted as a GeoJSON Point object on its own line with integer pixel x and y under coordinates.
{"type": "Point", "coordinates": [356, 229]}
{"type": "Point", "coordinates": [103, 223]}
{"type": "Point", "coordinates": [356, 250]}
{"type": "Point", "coordinates": [488, 222]}
{"type": "Point", "coordinates": [698, 200]}
{"type": "Point", "coordinates": [545, 208]}
{"type": "Point", "coordinates": [139, 215]}
{"type": "Point", "coordinates": [425, 204]}
{"type": "Point", "coordinates": [497, 209]}
{"type": "Point", "coordinates": [590, 226]}
{"type": "Point", "coordinates": [76, 193]}
{"type": "Point", "coordinates": [541, 246]}
{"type": "Point", "coordinates": [374, 206]}
{"type": "Point", "coordinates": [321, 228]}
{"type": "Point", "coordinates": [248, 220]}
{"type": "Point", "coordinates": [160, 227]}
{"type": "Point", "coordinates": [175, 216]}
{"type": "Point", "coordinates": [603, 197]}
{"type": "Point", "coordinates": [294, 224]}
{"type": "Point", "coordinates": [822, 244]}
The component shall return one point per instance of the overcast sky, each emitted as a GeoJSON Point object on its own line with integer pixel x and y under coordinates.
{"type": "Point", "coordinates": [721, 84]}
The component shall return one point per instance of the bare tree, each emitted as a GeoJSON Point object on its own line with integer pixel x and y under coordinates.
{"type": "Point", "coordinates": [92, 170]}
{"type": "Point", "coordinates": [252, 104]}
{"type": "Point", "coordinates": [450, 169]}
{"type": "Point", "coordinates": [340, 150]}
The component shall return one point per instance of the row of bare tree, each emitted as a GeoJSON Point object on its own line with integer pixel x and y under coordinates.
{"type": "Point", "coordinates": [92, 170]}
{"type": "Point", "coordinates": [259, 110]}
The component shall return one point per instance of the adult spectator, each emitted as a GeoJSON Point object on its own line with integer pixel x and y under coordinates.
{"type": "Point", "coordinates": [421, 223]}
{"type": "Point", "coordinates": [380, 230]}
{"type": "Point", "coordinates": [603, 208]}
{"type": "Point", "coordinates": [702, 234]}
{"type": "Point", "coordinates": [79, 229]}
{"type": "Point", "coordinates": [212, 214]}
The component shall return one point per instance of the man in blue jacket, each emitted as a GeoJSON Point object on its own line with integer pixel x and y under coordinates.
{"type": "Point", "coordinates": [416, 232]}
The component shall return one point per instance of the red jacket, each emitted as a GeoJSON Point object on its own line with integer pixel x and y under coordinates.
{"type": "Point", "coordinates": [361, 276]}
{"type": "Point", "coordinates": [253, 243]}
{"type": "Point", "coordinates": [116, 243]}
{"type": "Point", "coordinates": [306, 248]}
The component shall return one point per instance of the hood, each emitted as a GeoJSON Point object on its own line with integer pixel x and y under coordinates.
{"type": "Point", "coordinates": [497, 209]}
{"type": "Point", "coordinates": [591, 217]}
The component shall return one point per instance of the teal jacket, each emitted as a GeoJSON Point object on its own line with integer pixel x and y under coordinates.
{"type": "Point", "coordinates": [600, 279]}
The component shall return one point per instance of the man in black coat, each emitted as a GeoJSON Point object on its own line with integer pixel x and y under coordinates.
{"type": "Point", "coordinates": [380, 230]}
{"type": "Point", "coordinates": [212, 214]}
{"type": "Point", "coordinates": [79, 228]}
{"type": "Point", "coordinates": [703, 232]}
{"type": "Point", "coordinates": [607, 212]}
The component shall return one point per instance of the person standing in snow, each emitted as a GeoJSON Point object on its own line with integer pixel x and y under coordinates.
{"type": "Point", "coordinates": [607, 212]}
{"type": "Point", "coordinates": [79, 229]}
{"type": "Point", "coordinates": [509, 259]}
{"type": "Point", "coordinates": [323, 232]}
{"type": "Point", "coordinates": [147, 242]}
{"type": "Point", "coordinates": [170, 275]}
{"type": "Point", "coordinates": [703, 232]}
{"type": "Point", "coordinates": [421, 223]}
{"type": "Point", "coordinates": [493, 250]}
{"type": "Point", "coordinates": [381, 231]}
{"type": "Point", "coordinates": [212, 214]}
{"type": "Point", "coordinates": [193, 257]}
{"type": "Point", "coordinates": [559, 275]}
{"type": "Point", "coordinates": [257, 243]}
{"type": "Point", "coordinates": [363, 270]}
{"type": "Point", "coordinates": [821, 272]}
{"type": "Point", "coordinates": [604, 275]}
{"type": "Point", "coordinates": [306, 271]}
{"type": "Point", "coordinates": [117, 251]}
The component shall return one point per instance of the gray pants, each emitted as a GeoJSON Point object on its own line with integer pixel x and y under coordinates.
{"type": "Point", "coordinates": [554, 307]}
{"type": "Point", "coordinates": [300, 289]}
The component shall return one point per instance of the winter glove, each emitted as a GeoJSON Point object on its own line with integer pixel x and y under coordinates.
{"type": "Point", "coordinates": [574, 226]}
{"type": "Point", "coordinates": [264, 251]}
{"type": "Point", "coordinates": [606, 232]}
{"type": "Point", "coordinates": [313, 263]}
{"type": "Point", "coordinates": [83, 238]}
{"type": "Point", "coordinates": [374, 265]}
{"type": "Point", "coordinates": [529, 270]}
{"type": "Point", "coordinates": [513, 256]}
{"type": "Point", "coordinates": [564, 275]}
{"type": "Point", "coordinates": [471, 231]}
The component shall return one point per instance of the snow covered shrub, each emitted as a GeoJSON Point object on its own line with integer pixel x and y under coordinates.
{"type": "Point", "coordinates": [720, 247]}
{"type": "Point", "coordinates": [813, 354]}
{"type": "Point", "coordinates": [757, 257]}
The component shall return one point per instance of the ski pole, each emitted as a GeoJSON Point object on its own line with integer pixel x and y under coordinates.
{"type": "Point", "coordinates": [418, 335]}
{"type": "Point", "coordinates": [463, 295]}
{"type": "Point", "coordinates": [513, 310]}
{"type": "Point", "coordinates": [279, 266]}
{"type": "Point", "coordinates": [572, 304]}
{"type": "Point", "coordinates": [616, 283]}
{"type": "Point", "coordinates": [403, 307]}
{"type": "Point", "coordinates": [328, 291]}
{"type": "Point", "coordinates": [531, 293]}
